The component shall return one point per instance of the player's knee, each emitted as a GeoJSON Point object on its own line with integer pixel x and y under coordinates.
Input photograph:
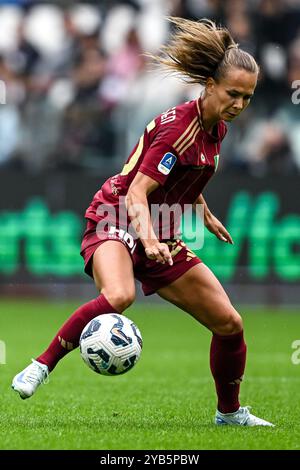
{"type": "Point", "coordinates": [231, 325]}
{"type": "Point", "coordinates": [120, 299]}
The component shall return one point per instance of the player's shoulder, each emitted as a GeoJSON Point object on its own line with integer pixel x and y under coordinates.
{"type": "Point", "coordinates": [179, 115]}
{"type": "Point", "coordinates": [178, 120]}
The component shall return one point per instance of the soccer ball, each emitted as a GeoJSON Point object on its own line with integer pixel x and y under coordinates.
{"type": "Point", "coordinates": [110, 344]}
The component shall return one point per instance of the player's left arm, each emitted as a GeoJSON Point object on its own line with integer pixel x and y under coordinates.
{"type": "Point", "coordinates": [212, 223]}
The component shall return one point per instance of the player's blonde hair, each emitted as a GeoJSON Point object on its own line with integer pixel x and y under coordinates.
{"type": "Point", "coordinates": [201, 49]}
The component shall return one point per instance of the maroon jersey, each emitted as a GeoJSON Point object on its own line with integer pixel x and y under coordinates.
{"type": "Point", "coordinates": [175, 151]}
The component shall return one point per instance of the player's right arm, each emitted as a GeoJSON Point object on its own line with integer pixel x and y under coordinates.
{"type": "Point", "coordinates": [139, 214]}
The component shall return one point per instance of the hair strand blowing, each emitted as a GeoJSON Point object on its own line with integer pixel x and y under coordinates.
{"type": "Point", "coordinates": [201, 49]}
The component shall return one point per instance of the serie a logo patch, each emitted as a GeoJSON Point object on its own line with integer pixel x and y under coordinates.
{"type": "Point", "coordinates": [166, 164]}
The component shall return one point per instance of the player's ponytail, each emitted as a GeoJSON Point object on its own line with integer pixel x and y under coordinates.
{"type": "Point", "coordinates": [200, 49]}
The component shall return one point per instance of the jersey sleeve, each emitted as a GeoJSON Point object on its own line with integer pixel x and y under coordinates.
{"type": "Point", "coordinates": [159, 160]}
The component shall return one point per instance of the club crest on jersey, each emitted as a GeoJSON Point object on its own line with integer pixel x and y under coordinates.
{"type": "Point", "coordinates": [166, 164]}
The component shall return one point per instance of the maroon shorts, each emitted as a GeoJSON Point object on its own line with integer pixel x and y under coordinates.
{"type": "Point", "coordinates": [151, 274]}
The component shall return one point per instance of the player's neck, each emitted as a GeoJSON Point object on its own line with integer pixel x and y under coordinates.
{"type": "Point", "coordinates": [208, 119]}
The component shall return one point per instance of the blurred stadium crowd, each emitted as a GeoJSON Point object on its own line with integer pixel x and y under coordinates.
{"type": "Point", "coordinates": [79, 90]}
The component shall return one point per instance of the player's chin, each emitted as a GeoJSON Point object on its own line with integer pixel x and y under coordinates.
{"type": "Point", "coordinates": [229, 116]}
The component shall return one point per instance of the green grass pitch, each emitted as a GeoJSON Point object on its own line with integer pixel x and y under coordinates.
{"type": "Point", "coordinates": [167, 401]}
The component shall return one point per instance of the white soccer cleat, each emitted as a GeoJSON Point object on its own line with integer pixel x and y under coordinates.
{"type": "Point", "coordinates": [241, 417]}
{"type": "Point", "coordinates": [27, 381]}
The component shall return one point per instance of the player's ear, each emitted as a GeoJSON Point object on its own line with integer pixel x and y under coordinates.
{"type": "Point", "coordinates": [209, 86]}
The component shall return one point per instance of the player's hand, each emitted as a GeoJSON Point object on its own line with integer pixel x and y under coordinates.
{"type": "Point", "coordinates": [160, 252]}
{"type": "Point", "coordinates": [218, 229]}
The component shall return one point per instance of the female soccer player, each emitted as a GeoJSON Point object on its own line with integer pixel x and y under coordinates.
{"type": "Point", "coordinates": [171, 164]}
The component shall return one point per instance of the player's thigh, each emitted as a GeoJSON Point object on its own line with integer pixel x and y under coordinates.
{"type": "Point", "coordinates": [199, 293]}
{"type": "Point", "coordinates": [113, 273]}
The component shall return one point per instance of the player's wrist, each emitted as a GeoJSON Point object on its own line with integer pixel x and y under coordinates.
{"type": "Point", "coordinates": [150, 243]}
{"type": "Point", "coordinates": [207, 217]}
